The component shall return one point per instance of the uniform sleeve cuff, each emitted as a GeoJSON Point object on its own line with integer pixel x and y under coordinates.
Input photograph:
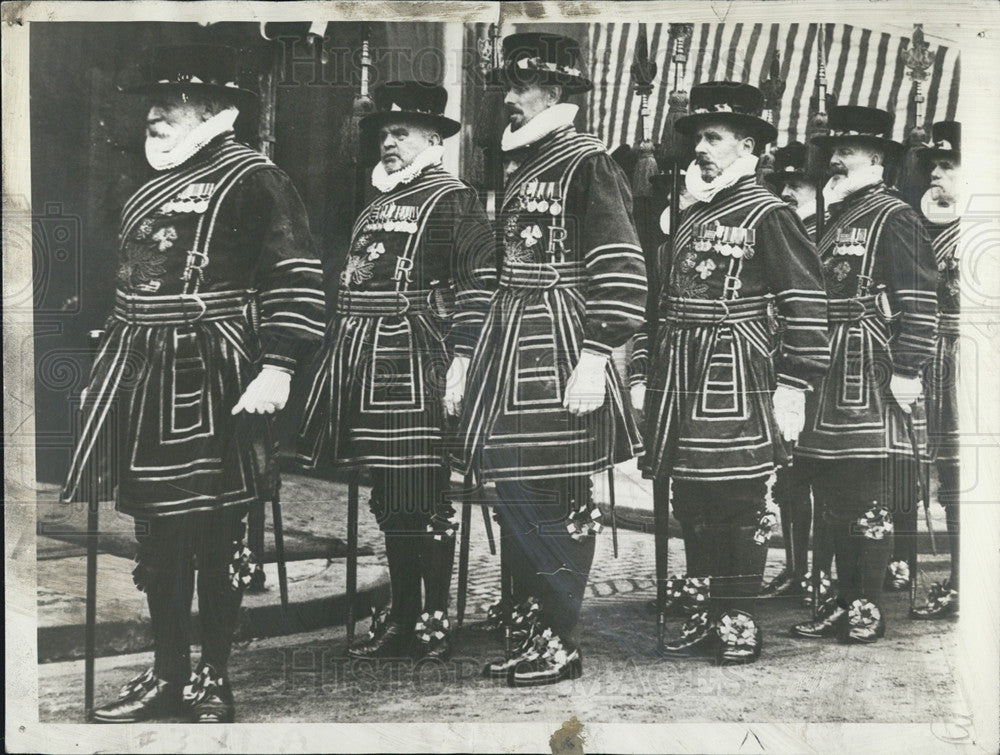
{"type": "Point", "coordinates": [596, 347]}
{"type": "Point", "coordinates": [906, 372]}
{"type": "Point", "coordinates": [790, 381]}
{"type": "Point", "coordinates": [280, 362]}
{"type": "Point", "coordinates": [463, 350]}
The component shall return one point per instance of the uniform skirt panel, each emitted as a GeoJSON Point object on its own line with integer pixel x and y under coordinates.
{"type": "Point", "coordinates": [515, 425]}
{"type": "Point", "coordinates": [156, 422]}
{"type": "Point", "coordinates": [376, 398]}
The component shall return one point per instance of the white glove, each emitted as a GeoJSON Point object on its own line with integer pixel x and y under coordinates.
{"type": "Point", "coordinates": [266, 394]}
{"type": "Point", "coordinates": [905, 391]}
{"type": "Point", "coordinates": [454, 385]}
{"type": "Point", "coordinates": [790, 411]}
{"type": "Point", "coordinates": [587, 386]}
{"type": "Point", "coordinates": [638, 393]}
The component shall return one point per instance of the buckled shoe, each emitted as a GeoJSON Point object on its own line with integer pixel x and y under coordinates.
{"type": "Point", "coordinates": [209, 697]}
{"type": "Point", "coordinates": [550, 660]}
{"type": "Point", "coordinates": [739, 639]}
{"type": "Point", "coordinates": [829, 621]}
{"type": "Point", "coordinates": [864, 624]}
{"type": "Point", "coordinates": [942, 601]}
{"type": "Point", "coordinates": [144, 698]}
{"type": "Point", "coordinates": [433, 632]}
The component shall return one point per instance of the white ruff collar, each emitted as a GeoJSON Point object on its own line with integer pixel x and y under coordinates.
{"type": "Point", "coordinates": [193, 141]}
{"type": "Point", "coordinates": [938, 214]}
{"type": "Point", "coordinates": [385, 181]}
{"type": "Point", "coordinates": [839, 187]}
{"type": "Point", "coordinates": [551, 119]}
{"type": "Point", "coordinates": [705, 191]}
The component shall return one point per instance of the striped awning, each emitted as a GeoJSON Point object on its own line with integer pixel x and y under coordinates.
{"type": "Point", "coordinates": [864, 67]}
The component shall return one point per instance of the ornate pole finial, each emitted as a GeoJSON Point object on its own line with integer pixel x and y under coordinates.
{"type": "Point", "coordinates": [918, 60]}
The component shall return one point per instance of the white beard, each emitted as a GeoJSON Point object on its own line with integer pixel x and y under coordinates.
{"type": "Point", "coordinates": [176, 147]}
{"type": "Point", "coordinates": [840, 186]}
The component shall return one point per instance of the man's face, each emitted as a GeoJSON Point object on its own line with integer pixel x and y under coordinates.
{"type": "Point", "coordinates": [171, 117]}
{"type": "Point", "coordinates": [400, 143]}
{"type": "Point", "coordinates": [849, 158]}
{"type": "Point", "coordinates": [719, 147]}
{"type": "Point", "coordinates": [524, 101]}
{"type": "Point", "coordinates": [798, 193]}
{"type": "Point", "coordinates": [944, 177]}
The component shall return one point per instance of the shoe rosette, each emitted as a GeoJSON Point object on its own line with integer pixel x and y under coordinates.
{"type": "Point", "coordinates": [696, 624]}
{"type": "Point", "coordinates": [825, 587]}
{"type": "Point", "coordinates": [380, 618]}
{"type": "Point", "coordinates": [554, 651]}
{"type": "Point", "coordinates": [738, 631]}
{"type": "Point", "coordinates": [241, 567]}
{"type": "Point", "coordinates": [203, 683]}
{"type": "Point", "coordinates": [432, 628]}
{"type": "Point", "coordinates": [695, 592]}
{"type": "Point", "coordinates": [899, 574]}
{"type": "Point", "coordinates": [767, 522]}
{"type": "Point", "coordinates": [583, 521]}
{"type": "Point", "coordinates": [524, 616]}
{"type": "Point", "coordinates": [863, 614]}
{"type": "Point", "coordinates": [940, 596]}
{"type": "Point", "coordinates": [876, 524]}
{"type": "Point", "coordinates": [941, 593]}
{"type": "Point", "coordinates": [675, 589]}
{"type": "Point", "coordinates": [138, 685]}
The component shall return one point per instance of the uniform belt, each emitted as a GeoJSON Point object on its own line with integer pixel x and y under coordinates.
{"type": "Point", "coordinates": [180, 309]}
{"type": "Point", "coordinates": [384, 303]}
{"type": "Point", "coordinates": [948, 324]}
{"type": "Point", "coordinates": [852, 310]}
{"type": "Point", "coordinates": [680, 312]}
{"type": "Point", "coordinates": [545, 275]}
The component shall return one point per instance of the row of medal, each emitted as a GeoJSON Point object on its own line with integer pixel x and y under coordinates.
{"type": "Point", "coordinates": [729, 241]}
{"type": "Point", "coordinates": [393, 218]}
{"type": "Point", "coordinates": [852, 241]}
{"type": "Point", "coordinates": [192, 198]}
{"type": "Point", "coordinates": [541, 196]}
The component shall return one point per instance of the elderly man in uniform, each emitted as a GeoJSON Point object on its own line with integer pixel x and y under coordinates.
{"type": "Point", "coordinates": [725, 392]}
{"type": "Point", "coordinates": [544, 409]}
{"type": "Point", "coordinates": [792, 493]}
{"type": "Point", "coordinates": [219, 298]}
{"type": "Point", "coordinates": [412, 298]}
{"type": "Point", "coordinates": [943, 157]}
{"type": "Point", "coordinates": [868, 414]}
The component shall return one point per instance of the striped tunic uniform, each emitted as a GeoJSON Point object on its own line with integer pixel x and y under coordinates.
{"type": "Point", "coordinates": [741, 269]}
{"type": "Point", "coordinates": [573, 278]}
{"type": "Point", "coordinates": [942, 373]}
{"type": "Point", "coordinates": [880, 277]}
{"type": "Point", "coordinates": [413, 294]}
{"type": "Point", "coordinates": [217, 278]}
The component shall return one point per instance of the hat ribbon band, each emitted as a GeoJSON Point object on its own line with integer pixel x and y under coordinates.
{"type": "Point", "coordinates": [544, 65]}
{"type": "Point", "coordinates": [186, 79]}
{"type": "Point", "coordinates": [852, 132]}
{"type": "Point", "coordinates": [720, 107]}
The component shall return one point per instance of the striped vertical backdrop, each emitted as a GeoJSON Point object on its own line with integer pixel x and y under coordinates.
{"type": "Point", "coordinates": [864, 67]}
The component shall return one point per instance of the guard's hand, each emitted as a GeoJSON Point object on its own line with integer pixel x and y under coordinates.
{"type": "Point", "coordinates": [266, 394]}
{"type": "Point", "coordinates": [638, 395]}
{"type": "Point", "coordinates": [905, 390]}
{"type": "Point", "coordinates": [587, 384]}
{"type": "Point", "coordinates": [790, 411]}
{"type": "Point", "coordinates": [454, 385]}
